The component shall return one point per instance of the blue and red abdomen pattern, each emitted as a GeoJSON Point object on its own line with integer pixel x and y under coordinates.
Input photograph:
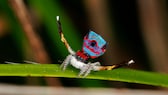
{"type": "Point", "coordinates": [94, 45]}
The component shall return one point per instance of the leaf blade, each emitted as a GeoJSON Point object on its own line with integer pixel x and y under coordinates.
{"type": "Point", "coordinates": [53, 70]}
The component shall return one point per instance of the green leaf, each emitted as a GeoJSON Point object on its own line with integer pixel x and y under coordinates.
{"type": "Point", "coordinates": [52, 70]}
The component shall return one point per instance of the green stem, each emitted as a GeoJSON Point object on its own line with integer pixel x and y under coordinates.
{"type": "Point", "coordinates": [51, 70]}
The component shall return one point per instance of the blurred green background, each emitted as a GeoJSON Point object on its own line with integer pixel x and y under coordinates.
{"type": "Point", "coordinates": [134, 29]}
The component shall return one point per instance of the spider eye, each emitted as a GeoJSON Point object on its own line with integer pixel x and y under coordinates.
{"type": "Point", "coordinates": [93, 43]}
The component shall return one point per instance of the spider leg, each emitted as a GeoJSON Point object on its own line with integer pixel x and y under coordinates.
{"type": "Point", "coordinates": [95, 64]}
{"type": "Point", "coordinates": [7, 62]}
{"type": "Point", "coordinates": [62, 36]}
{"type": "Point", "coordinates": [90, 68]}
{"type": "Point", "coordinates": [87, 72]}
{"type": "Point", "coordinates": [66, 62]}
{"type": "Point", "coordinates": [86, 69]}
{"type": "Point", "coordinates": [31, 62]}
{"type": "Point", "coordinates": [83, 70]}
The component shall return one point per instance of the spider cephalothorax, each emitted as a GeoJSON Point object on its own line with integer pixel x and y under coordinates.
{"type": "Point", "coordinates": [82, 56]}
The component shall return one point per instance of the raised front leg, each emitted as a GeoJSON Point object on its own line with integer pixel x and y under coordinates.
{"type": "Point", "coordinates": [66, 62]}
{"type": "Point", "coordinates": [62, 36]}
